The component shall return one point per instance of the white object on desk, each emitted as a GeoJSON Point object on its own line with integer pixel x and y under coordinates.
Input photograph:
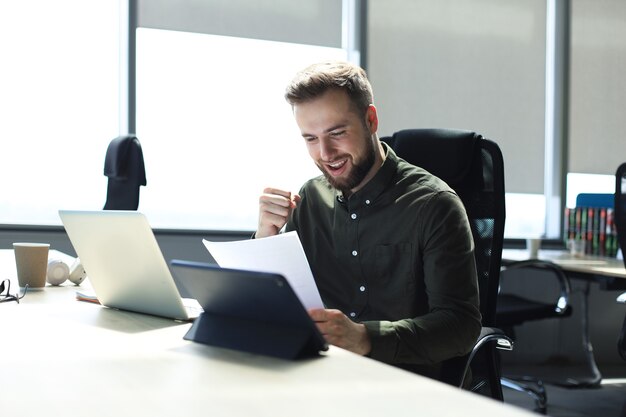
{"type": "Point", "coordinates": [577, 247]}
{"type": "Point", "coordinates": [77, 272]}
{"type": "Point", "coordinates": [533, 246]}
{"type": "Point", "coordinates": [58, 272]}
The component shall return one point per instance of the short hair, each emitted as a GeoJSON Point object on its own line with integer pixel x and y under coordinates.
{"type": "Point", "coordinates": [317, 79]}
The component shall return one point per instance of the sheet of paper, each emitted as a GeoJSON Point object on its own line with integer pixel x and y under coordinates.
{"type": "Point", "coordinates": [282, 254]}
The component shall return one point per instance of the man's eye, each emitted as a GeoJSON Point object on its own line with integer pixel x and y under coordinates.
{"type": "Point", "coordinates": [338, 133]}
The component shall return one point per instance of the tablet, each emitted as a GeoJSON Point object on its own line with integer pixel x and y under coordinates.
{"type": "Point", "coordinates": [256, 312]}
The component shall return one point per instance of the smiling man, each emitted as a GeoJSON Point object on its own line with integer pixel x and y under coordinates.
{"type": "Point", "coordinates": [389, 244]}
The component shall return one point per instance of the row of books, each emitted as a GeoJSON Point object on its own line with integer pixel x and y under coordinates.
{"type": "Point", "coordinates": [593, 225]}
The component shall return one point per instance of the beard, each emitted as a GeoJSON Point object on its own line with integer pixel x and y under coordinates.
{"type": "Point", "coordinates": [358, 172]}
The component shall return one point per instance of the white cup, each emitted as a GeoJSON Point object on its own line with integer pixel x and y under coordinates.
{"type": "Point", "coordinates": [576, 247]}
{"type": "Point", "coordinates": [533, 246]}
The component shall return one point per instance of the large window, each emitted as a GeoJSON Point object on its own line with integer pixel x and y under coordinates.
{"type": "Point", "coordinates": [538, 77]}
{"type": "Point", "coordinates": [211, 117]}
{"type": "Point", "coordinates": [58, 104]}
{"type": "Point", "coordinates": [476, 65]}
{"type": "Point", "coordinates": [215, 129]}
{"type": "Point", "coordinates": [214, 126]}
{"type": "Point", "coordinates": [597, 126]}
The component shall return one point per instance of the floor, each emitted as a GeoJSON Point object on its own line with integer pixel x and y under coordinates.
{"type": "Point", "coordinates": [607, 400]}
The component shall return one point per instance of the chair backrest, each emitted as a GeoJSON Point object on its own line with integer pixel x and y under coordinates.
{"type": "Point", "coordinates": [474, 168]}
{"type": "Point", "coordinates": [620, 207]}
{"type": "Point", "coordinates": [124, 167]}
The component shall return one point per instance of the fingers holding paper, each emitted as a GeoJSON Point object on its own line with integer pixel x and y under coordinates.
{"type": "Point", "coordinates": [340, 331]}
{"type": "Point", "coordinates": [275, 206]}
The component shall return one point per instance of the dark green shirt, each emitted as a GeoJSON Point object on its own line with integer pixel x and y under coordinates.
{"type": "Point", "coordinates": [397, 256]}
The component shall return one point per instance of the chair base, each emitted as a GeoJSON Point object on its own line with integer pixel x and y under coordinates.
{"type": "Point", "coordinates": [532, 387]}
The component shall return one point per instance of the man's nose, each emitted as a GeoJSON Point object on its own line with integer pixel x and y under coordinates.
{"type": "Point", "coordinates": [326, 150]}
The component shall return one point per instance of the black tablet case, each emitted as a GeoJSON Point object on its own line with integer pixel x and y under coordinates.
{"type": "Point", "coordinates": [256, 312]}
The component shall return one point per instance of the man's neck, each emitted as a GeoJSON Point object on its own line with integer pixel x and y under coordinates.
{"type": "Point", "coordinates": [379, 159]}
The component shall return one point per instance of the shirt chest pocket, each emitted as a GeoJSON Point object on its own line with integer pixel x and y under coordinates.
{"type": "Point", "coordinates": [395, 276]}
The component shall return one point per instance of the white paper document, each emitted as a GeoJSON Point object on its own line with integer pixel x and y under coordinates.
{"type": "Point", "coordinates": [282, 254]}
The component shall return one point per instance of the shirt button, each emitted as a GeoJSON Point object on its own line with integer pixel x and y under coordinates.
{"type": "Point", "coordinates": [353, 314]}
{"type": "Point", "coordinates": [353, 215]}
{"type": "Point", "coordinates": [354, 253]}
{"type": "Point", "coordinates": [362, 288]}
{"type": "Point", "coordinates": [367, 202]}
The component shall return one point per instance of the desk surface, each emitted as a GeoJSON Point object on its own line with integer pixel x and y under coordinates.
{"type": "Point", "coordinates": [608, 267]}
{"type": "Point", "coordinates": [65, 357]}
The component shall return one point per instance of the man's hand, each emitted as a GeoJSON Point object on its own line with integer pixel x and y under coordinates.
{"type": "Point", "coordinates": [340, 331]}
{"type": "Point", "coordinates": [275, 206]}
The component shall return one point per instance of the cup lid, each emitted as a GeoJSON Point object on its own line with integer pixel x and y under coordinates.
{"type": "Point", "coordinates": [32, 245]}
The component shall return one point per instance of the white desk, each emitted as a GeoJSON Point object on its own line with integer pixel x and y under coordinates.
{"type": "Point", "coordinates": [65, 357]}
{"type": "Point", "coordinates": [610, 271]}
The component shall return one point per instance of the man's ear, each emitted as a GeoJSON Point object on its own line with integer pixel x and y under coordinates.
{"type": "Point", "coordinates": [371, 118]}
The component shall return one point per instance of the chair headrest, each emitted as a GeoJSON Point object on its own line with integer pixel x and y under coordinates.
{"type": "Point", "coordinates": [450, 153]}
{"type": "Point", "coordinates": [123, 155]}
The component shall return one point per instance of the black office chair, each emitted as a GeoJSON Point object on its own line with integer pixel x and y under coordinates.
{"type": "Point", "coordinates": [474, 168]}
{"type": "Point", "coordinates": [621, 340]}
{"type": "Point", "coordinates": [620, 225]}
{"type": "Point", "coordinates": [124, 167]}
{"type": "Point", "coordinates": [514, 309]}
{"type": "Point", "coordinates": [620, 208]}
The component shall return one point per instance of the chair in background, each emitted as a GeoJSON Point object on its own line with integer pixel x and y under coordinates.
{"type": "Point", "coordinates": [514, 309]}
{"type": "Point", "coordinates": [124, 167]}
{"type": "Point", "coordinates": [620, 224]}
{"type": "Point", "coordinates": [621, 340]}
{"type": "Point", "coordinates": [620, 208]}
{"type": "Point", "coordinates": [474, 168]}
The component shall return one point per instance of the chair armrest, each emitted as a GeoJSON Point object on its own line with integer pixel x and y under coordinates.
{"type": "Point", "coordinates": [493, 334]}
{"type": "Point", "coordinates": [487, 335]}
{"type": "Point", "coordinates": [563, 302]}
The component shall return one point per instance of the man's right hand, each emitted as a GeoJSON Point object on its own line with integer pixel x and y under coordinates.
{"type": "Point", "coordinates": [275, 206]}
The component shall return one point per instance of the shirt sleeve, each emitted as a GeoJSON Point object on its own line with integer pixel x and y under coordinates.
{"type": "Point", "coordinates": [453, 322]}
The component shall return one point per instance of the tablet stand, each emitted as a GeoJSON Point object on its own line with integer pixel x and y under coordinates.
{"type": "Point", "coordinates": [272, 339]}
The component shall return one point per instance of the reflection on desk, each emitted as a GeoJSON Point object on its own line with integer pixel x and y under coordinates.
{"type": "Point", "coordinates": [65, 357]}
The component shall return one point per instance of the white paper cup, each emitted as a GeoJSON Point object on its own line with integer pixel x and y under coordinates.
{"type": "Point", "coordinates": [533, 246]}
{"type": "Point", "coordinates": [31, 261]}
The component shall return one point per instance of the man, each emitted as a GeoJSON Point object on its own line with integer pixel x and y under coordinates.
{"type": "Point", "coordinates": [389, 244]}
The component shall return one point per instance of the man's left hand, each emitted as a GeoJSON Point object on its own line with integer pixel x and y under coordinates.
{"type": "Point", "coordinates": [340, 331]}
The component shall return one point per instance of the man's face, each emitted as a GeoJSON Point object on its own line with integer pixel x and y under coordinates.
{"type": "Point", "coordinates": [339, 140]}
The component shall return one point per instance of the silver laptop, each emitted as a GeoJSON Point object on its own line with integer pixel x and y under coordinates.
{"type": "Point", "coordinates": [125, 264]}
